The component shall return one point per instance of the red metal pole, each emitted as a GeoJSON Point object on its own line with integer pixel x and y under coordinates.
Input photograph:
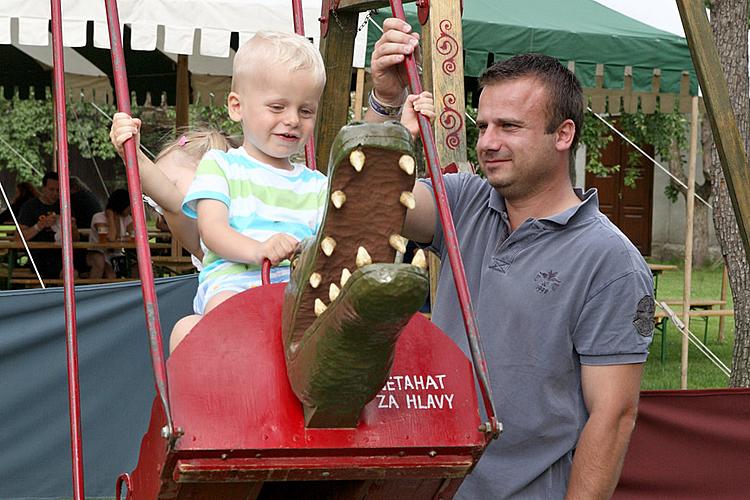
{"type": "Point", "coordinates": [299, 28]}
{"type": "Point", "coordinates": [71, 336]}
{"type": "Point", "coordinates": [451, 241]}
{"type": "Point", "coordinates": [139, 221]}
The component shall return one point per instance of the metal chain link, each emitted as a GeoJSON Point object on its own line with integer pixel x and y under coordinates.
{"type": "Point", "coordinates": [359, 28]}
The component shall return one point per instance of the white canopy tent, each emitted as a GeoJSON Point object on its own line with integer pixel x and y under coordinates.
{"type": "Point", "coordinates": [201, 29]}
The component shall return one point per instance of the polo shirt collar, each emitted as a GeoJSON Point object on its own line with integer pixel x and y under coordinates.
{"type": "Point", "coordinates": [588, 207]}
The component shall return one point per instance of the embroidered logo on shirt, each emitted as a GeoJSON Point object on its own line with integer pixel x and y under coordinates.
{"type": "Point", "coordinates": [547, 281]}
{"type": "Point", "coordinates": [644, 316]}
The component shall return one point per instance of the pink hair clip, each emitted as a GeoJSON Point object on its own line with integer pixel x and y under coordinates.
{"type": "Point", "coordinates": [182, 141]}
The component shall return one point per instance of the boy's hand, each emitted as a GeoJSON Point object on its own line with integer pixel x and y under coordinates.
{"type": "Point", "coordinates": [123, 128]}
{"type": "Point", "coordinates": [278, 247]}
{"type": "Point", "coordinates": [414, 104]}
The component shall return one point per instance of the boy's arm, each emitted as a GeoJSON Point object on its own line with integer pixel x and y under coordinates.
{"type": "Point", "coordinates": [213, 224]}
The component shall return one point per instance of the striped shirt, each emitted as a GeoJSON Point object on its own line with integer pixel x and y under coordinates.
{"type": "Point", "coordinates": [262, 201]}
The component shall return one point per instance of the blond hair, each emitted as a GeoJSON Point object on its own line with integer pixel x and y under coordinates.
{"type": "Point", "coordinates": [292, 51]}
{"type": "Point", "coordinates": [197, 142]}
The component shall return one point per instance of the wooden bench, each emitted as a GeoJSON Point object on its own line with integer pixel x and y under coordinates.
{"type": "Point", "coordinates": [661, 318]}
{"type": "Point", "coordinates": [174, 264]}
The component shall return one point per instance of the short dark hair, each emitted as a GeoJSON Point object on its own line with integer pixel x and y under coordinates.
{"type": "Point", "coordinates": [563, 88]}
{"type": "Point", "coordinates": [50, 176]}
{"type": "Point", "coordinates": [118, 201]}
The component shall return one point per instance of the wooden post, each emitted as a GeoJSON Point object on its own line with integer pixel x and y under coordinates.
{"type": "Point", "coordinates": [727, 137]}
{"type": "Point", "coordinates": [182, 104]}
{"type": "Point", "coordinates": [337, 49]}
{"type": "Point", "coordinates": [443, 74]}
{"type": "Point", "coordinates": [359, 92]}
{"type": "Point", "coordinates": [724, 283]}
{"type": "Point", "coordinates": [443, 70]}
{"type": "Point", "coordinates": [689, 241]}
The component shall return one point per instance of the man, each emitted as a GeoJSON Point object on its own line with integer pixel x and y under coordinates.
{"type": "Point", "coordinates": [563, 299]}
{"type": "Point", "coordinates": [39, 221]}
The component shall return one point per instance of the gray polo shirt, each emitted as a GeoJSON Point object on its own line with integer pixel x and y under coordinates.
{"type": "Point", "coordinates": [554, 294]}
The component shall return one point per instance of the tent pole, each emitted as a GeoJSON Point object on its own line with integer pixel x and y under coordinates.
{"type": "Point", "coordinates": [690, 200]}
{"type": "Point", "coordinates": [71, 335]}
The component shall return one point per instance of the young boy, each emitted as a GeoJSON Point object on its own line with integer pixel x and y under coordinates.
{"type": "Point", "coordinates": [252, 203]}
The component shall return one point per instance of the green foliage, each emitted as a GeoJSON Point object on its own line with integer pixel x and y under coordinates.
{"type": "Point", "coordinates": [27, 127]}
{"type": "Point", "coordinates": [596, 135]}
{"type": "Point", "coordinates": [472, 133]}
{"type": "Point", "coordinates": [657, 129]}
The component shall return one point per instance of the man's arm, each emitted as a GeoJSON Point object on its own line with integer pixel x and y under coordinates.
{"type": "Point", "coordinates": [611, 397]}
{"type": "Point", "coordinates": [419, 225]}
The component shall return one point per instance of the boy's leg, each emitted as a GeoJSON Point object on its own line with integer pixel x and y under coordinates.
{"type": "Point", "coordinates": [181, 329]}
{"type": "Point", "coordinates": [217, 299]}
{"type": "Point", "coordinates": [183, 326]}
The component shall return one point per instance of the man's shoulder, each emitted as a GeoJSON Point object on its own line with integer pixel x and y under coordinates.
{"type": "Point", "coordinates": [606, 243]}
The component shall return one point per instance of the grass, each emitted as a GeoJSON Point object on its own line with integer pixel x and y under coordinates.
{"type": "Point", "coordinates": [702, 373]}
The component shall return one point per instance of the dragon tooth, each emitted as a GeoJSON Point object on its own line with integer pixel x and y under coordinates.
{"type": "Point", "coordinates": [398, 242]}
{"type": "Point", "coordinates": [345, 275]}
{"type": "Point", "coordinates": [320, 307]}
{"type": "Point", "coordinates": [363, 258]}
{"type": "Point", "coordinates": [338, 198]}
{"type": "Point", "coordinates": [328, 245]}
{"type": "Point", "coordinates": [357, 160]}
{"type": "Point", "coordinates": [419, 259]}
{"type": "Point", "coordinates": [406, 163]}
{"type": "Point", "coordinates": [333, 292]}
{"type": "Point", "coordinates": [407, 200]}
{"type": "Point", "coordinates": [315, 279]}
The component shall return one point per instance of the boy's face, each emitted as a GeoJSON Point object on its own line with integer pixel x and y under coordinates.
{"type": "Point", "coordinates": [277, 112]}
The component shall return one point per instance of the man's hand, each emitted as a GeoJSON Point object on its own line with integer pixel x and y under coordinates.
{"type": "Point", "coordinates": [278, 247]}
{"type": "Point", "coordinates": [123, 128]}
{"type": "Point", "coordinates": [46, 221]}
{"type": "Point", "coordinates": [389, 77]}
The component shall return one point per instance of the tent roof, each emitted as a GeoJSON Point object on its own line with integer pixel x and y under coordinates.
{"type": "Point", "coordinates": [581, 31]}
{"type": "Point", "coordinates": [156, 32]}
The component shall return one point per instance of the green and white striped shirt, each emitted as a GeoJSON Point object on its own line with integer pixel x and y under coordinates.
{"type": "Point", "coordinates": [262, 201]}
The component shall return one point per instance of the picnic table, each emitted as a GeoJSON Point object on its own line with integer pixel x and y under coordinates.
{"type": "Point", "coordinates": [656, 270]}
{"type": "Point", "coordinates": [11, 249]}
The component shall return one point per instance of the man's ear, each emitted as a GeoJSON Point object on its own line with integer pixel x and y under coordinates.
{"type": "Point", "coordinates": [564, 135]}
{"type": "Point", "coordinates": [234, 107]}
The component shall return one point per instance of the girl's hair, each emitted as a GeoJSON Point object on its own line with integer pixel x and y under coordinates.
{"type": "Point", "coordinates": [118, 200]}
{"type": "Point", "coordinates": [197, 142]}
{"type": "Point", "coordinates": [25, 191]}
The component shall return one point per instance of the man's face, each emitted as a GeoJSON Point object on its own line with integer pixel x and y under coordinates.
{"type": "Point", "coordinates": [50, 192]}
{"type": "Point", "coordinates": [513, 149]}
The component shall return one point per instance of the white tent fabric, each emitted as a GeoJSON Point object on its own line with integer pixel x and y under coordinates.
{"type": "Point", "coordinates": [194, 27]}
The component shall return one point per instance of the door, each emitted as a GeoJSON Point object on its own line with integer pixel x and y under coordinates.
{"type": "Point", "coordinates": [629, 208]}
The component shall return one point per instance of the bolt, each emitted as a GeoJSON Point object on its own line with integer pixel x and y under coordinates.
{"type": "Point", "coordinates": [401, 453]}
{"type": "Point", "coordinates": [325, 474]}
{"type": "Point", "coordinates": [165, 432]}
{"type": "Point", "coordinates": [223, 456]}
{"type": "Point", "coordinates": [257, 455]}
{"type": "Point", "coordinates": [432, 453]}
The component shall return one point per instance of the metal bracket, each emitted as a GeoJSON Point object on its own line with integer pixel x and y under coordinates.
{"type": "Point", "coordinates": [423, 11]}
{"type": "Point", "coordinates": [327, 7]}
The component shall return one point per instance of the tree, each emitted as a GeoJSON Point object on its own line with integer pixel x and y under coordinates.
{"type": "Point", "coordinates": [731, 42]}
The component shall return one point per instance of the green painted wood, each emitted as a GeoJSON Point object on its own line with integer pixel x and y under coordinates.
{"type": "Point", "coordinates": [337, 361]}
{"type": "Point", "coordinates": [727, 137]}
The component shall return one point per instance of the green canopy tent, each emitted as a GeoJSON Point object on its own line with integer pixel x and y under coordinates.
{"type": "Point", "coordinates": [613, 55]}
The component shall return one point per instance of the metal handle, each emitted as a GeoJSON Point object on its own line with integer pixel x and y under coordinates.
{"type": "Point", "coordinates": [143, 251]}
{"type": "Point", "coordinates": [491, 428]}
